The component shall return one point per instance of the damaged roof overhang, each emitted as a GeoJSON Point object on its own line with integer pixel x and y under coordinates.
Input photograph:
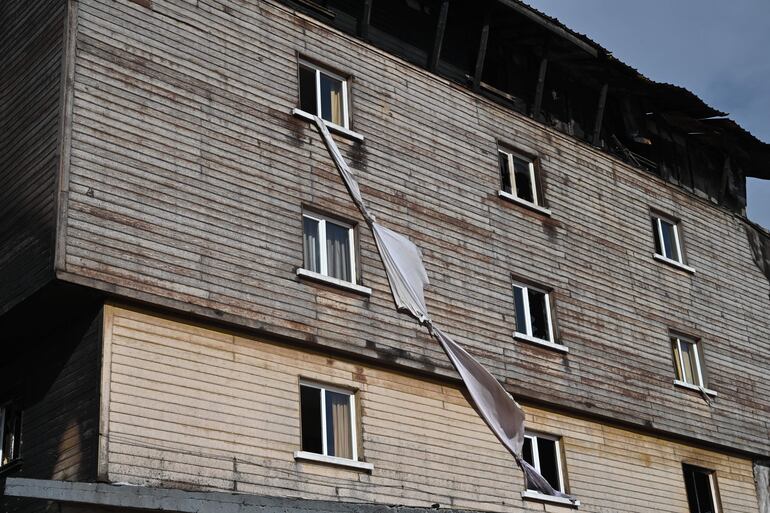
{"type": "Point", "coordinates": [678, 105]}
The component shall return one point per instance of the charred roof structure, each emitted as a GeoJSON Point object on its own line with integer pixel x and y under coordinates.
{"type": "Point", "coordinates": [535, 65]}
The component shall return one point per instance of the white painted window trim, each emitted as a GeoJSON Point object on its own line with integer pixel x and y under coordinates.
{"type": "Point", "coordinates": [536, 456]}
{"type": "Point", "coordinates": [678, 340]}
{"type": "Point", "coordinates": [677, 262]}
{"type": "Point", "coordinates": [325, 458]}
{"type": "Point", "coordinates": [331, 126]}
{"type": "Point", "coordinates": [523, 203]}
{"type": "Point", "coordinates": [550, 345]}
{"type": "Point", "coordinates": [712, 484]}
{"type": "Point", "coordinates": [2, 432]}
{"type": "Point", "coordinates": [684, 384]}
{"type": "Point", "coordinates": [514, 195]}
{"type": "Point", "coordinates": [343, 80]}
{"type": "Point", "coordinates": [323, 256]}
{"type": "Point", "coordinates": [673, 263]}
{"type": "Point", "coordinates": [332, 460]}
{"type": "Point", "coordinates": [527, 315]}
{"type": "Point", "coordinates": [537, 496]}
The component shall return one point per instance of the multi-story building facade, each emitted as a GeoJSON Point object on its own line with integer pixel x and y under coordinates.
{"type": "Point", "coordinates": [195, 316]}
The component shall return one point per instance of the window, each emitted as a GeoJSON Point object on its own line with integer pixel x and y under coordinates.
{"type": "Point", "coordinates": [667, 238]}
{"type": "Point", "coordinates": [533, 313]}
{"type": "Point", "coordinates": [544, 453]}
{"type": "Point", "coordinates": [329, 248]}
{"type": "Point", "coordinates": [328, 421]}
{"type": "Point", "coordinates": [323, 94]}
{"type": "Point", "coordinates": [518, 178]}
{"type": "Point", "coordinates": [687, 361]}
{"type": "Point", "coordinates": [10, 434]}
{"type": "Point", "coordinates": [701, 489]}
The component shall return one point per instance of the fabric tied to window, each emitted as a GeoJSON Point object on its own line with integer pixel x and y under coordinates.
{"type": "Point", "coordinates": [342, 167]}
{"type": "Point", "coordinates": [406, 273]}
{"type": "Point", "coordinates": [537, 482]}
{"type": "Point", "coordinates": [407, 277]}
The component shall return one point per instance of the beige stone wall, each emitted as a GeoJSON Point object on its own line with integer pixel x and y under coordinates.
{"type": "Point", "coordinates": [191, 407]}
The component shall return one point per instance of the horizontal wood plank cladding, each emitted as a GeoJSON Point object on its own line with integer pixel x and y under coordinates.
{"type": "Point", "coordinates": [31, 49]}
{"type": "Point", "coordinates": [189, 174]}
{"type": "Point", "coordinates": [199, 408]}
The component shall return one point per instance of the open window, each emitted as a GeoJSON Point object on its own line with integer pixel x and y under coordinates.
{"type": "Point", "coordinates": [667, 235]}
{"type": "Point", "coordinates": [324, 94]}
{"type": "Point", "coordinates": [701, 486]}
{"type": "Point", "coordinates": [519, 179]}
{"type": "Point", "coordinates": [533, 313]}
{"type": "Point", "coordinates": [328, 426]}
{"type": "Point", "coordinates": [544, 453]}
{"type": "Point", "coordinates": [688, 363]}
{"type": "Point", "coordinates": [10, 434]}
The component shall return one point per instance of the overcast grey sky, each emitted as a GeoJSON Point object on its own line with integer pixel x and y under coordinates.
{"type": "Point", "coordinates": [718, 49]}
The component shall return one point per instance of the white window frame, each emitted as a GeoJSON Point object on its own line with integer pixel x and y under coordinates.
{"type": "Point", "coordinates": [532, 437]}
{"type": "Point", "coordinates": [512, 176]}
{"type": "Point", "coordinates": [528, 316]}
{"type": "Point", "coordinates": [712, 486]}
{"type": "Point", "coordinates": [675, 224]}
{"type": "Point", "coordinates": [680, 360]}
{"type": "Point", "coordinates": [345, 110]}
{"type": "Point", "coordinates": [353, 418]}
{"type": "Point", "coordinates": [322, 220]}
{"type": "Point", "coordinates": [16, 444]}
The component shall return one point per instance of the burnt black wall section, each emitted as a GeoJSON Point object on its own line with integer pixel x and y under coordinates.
{"type": "Point", "coordinates": [31, 49]}
{"type": "Point", "coordinates": [534, 65]}
{"type": "Point", "coordinates": [50, 370]}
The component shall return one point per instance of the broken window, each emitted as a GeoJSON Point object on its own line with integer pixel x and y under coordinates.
{"type": "Point", "coordinates": [328, 421]}
{"type": "Point", "coordinates": [518, 176]}
{"type": "Point", "coordinates": [329, 247]}
{"type": "Point", "coordinates": [533, 312]}
{"type": "Point", "coordinates": [687, 361]}
{"type": "Point", "coordinates": [10, 434]}
{"type": "Point", "coordinates": [667, 238]}
{"type": "Point", "coordinates": [323, 94]}
{"type": "Point", "coordinates": [543, 453]}
{"type": "Point", "coordinates": [701, 489]}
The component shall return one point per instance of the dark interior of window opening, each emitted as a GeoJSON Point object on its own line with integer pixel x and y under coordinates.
{"type": "Point", "coordinates": [310, 403]}
{"type": "Point", "coordinates": [405, 27]}
{"type": "Point", "coordinates": [538, 315]}
{"type": "Point", "coordinates": [699, 492]}
{"type": "Point", "coordinates": [307, 90]}
{"type": "Point", "coordinates": [568, 104]}
{"type": "Point", "coordinates": [461, 40]}
{"type": "Point", "coordinates": [347, 13]}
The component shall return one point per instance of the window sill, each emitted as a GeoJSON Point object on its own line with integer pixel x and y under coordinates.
{"type": "Point", "coordinates": [333, 460]}
{"type": "Point", "coordinates": [333, 127]}
{"type": "Point", "coordinates": [523, 203]}
{"type": "Point", "coordinates": [550, 345]}
{"type": "Point", "coordinates": [537, 496]}
{"type": "Point", "coordinates": [334, 282]}
{"type": "Point", "coordinates": [684, 384]}
{"type": "Point", "coordinates": [673, 263]}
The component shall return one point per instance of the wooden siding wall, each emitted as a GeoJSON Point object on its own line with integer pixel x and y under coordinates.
{"type": "Point", "coordinates": [31, 42]}
{"type": "Point", "coordinates": [188, 175]}
{"type": "Point", "coordinates": [198, 408]}
{"type": "Point", "coordinates": [55, 381]}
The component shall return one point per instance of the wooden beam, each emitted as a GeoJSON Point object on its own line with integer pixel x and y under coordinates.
{"type": "Point", "coordinates": [540, 86]}
{"type": "Point", "coordinates": [363, 23]}
{"type": "Point", "coordinates": [439, 37]}
{"type": "Point", "coordinates": [600, 114]}
{"type": "Point", "coordinates": [482, 52]}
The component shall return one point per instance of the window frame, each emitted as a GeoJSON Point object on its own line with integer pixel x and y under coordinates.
{"type": "Point", "coordinates": [713, 487]}
{"type": "Point", "coordinates": [535, 172]}
{"type": "Point", "coordinates": [353, 463]}
{"type": "Point", "coordinates": [318, 69]}
{"type": "Point", "coordinates": [657, 219]}
{"type": "Point", "coordinates": [551, 342]}
{"type": "Point", "coordinates": [322, 250]}
{"type": "Point", "coordinates": [536, 457]}
{"type": "Point", "coordinates": [676, 340]}
{"type": "Point", "coordinates": [16, 446]}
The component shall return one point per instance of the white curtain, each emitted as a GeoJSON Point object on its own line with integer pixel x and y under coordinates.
{"type": "Point", "coordinates": [339, 437]}
{"type": "Point", "coordinates": [338, 252]}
